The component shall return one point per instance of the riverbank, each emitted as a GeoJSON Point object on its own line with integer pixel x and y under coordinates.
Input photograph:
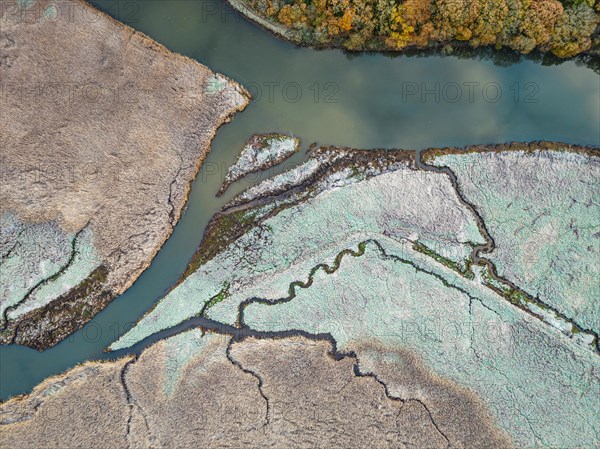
{"type": "Point", "coordinates": [361, 250]}
{"type": "Point", "coordinates": [102, 137]}
{"type": "Point", "coordinates": [562, 29]}
{"type": "Point", "coordinates": [369, 111]}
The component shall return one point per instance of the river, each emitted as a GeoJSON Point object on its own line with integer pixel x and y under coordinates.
{"type": "Point", "coordinates": [328, 97]}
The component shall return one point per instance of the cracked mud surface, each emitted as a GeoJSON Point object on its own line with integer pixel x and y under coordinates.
{"type": "Point", "coordinates": [102, 133]}
{"type": "Point", "coordinates": [288, 392]}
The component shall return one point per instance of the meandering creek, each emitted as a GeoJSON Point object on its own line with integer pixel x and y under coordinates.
{"type": "Point", "coordinates": [362, 101]}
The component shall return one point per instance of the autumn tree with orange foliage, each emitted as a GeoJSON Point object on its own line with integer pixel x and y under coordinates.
{"type": "Point", "coordinates": [565, 29]}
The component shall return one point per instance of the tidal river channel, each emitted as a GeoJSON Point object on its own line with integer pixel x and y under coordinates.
{"type": "Point", "coordinates": [328, 97]}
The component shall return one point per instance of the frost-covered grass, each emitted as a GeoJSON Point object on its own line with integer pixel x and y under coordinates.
{"type": "Point", "coordinates": [413, 287]}
{"type": "Point", "coordinates": [535, 381]}
{"type": "Point", "coordinates": [30, 254]}
{"type": "Point", "coordinates": [83, 264]}
{"type": "Point", "coordinates": [216, 84]}
{"type": "Point", "coordinates": [542, 311]}
{"type": "Point", "coordinates": [280, 182]}
{"type": "Point", "coordinates": [261, 152]}
{"type": "Point", "coordinates": [322, 159]}
{"type": "Point", "coordinates": [542, 211]}
{"type": "Point", "coordinates": [38, 260]}
{"type": "Point", "coordinates": [401, 204]}
{"type": "Point", "coordinates": [180, 350]}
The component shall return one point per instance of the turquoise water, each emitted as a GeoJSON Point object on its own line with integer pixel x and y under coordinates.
{"type": "Point", "coordinates": [329, 97]}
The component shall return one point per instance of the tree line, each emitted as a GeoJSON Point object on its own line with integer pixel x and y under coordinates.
{"type": "Point", "coordinates": [564, 28]}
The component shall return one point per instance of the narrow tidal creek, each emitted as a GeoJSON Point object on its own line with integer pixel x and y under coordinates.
{"type": "Point", "coordinates": [329, 97]}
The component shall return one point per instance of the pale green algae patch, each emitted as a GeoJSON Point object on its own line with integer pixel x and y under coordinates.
{"type": "Point", "coordinates": [541, 208]}
{"type": "Point", "coordinates": [181, 349]}
{"type": "Point", "coordinates": [540, 386]}
{"type": "Point", "coordinates": [401, 204]}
